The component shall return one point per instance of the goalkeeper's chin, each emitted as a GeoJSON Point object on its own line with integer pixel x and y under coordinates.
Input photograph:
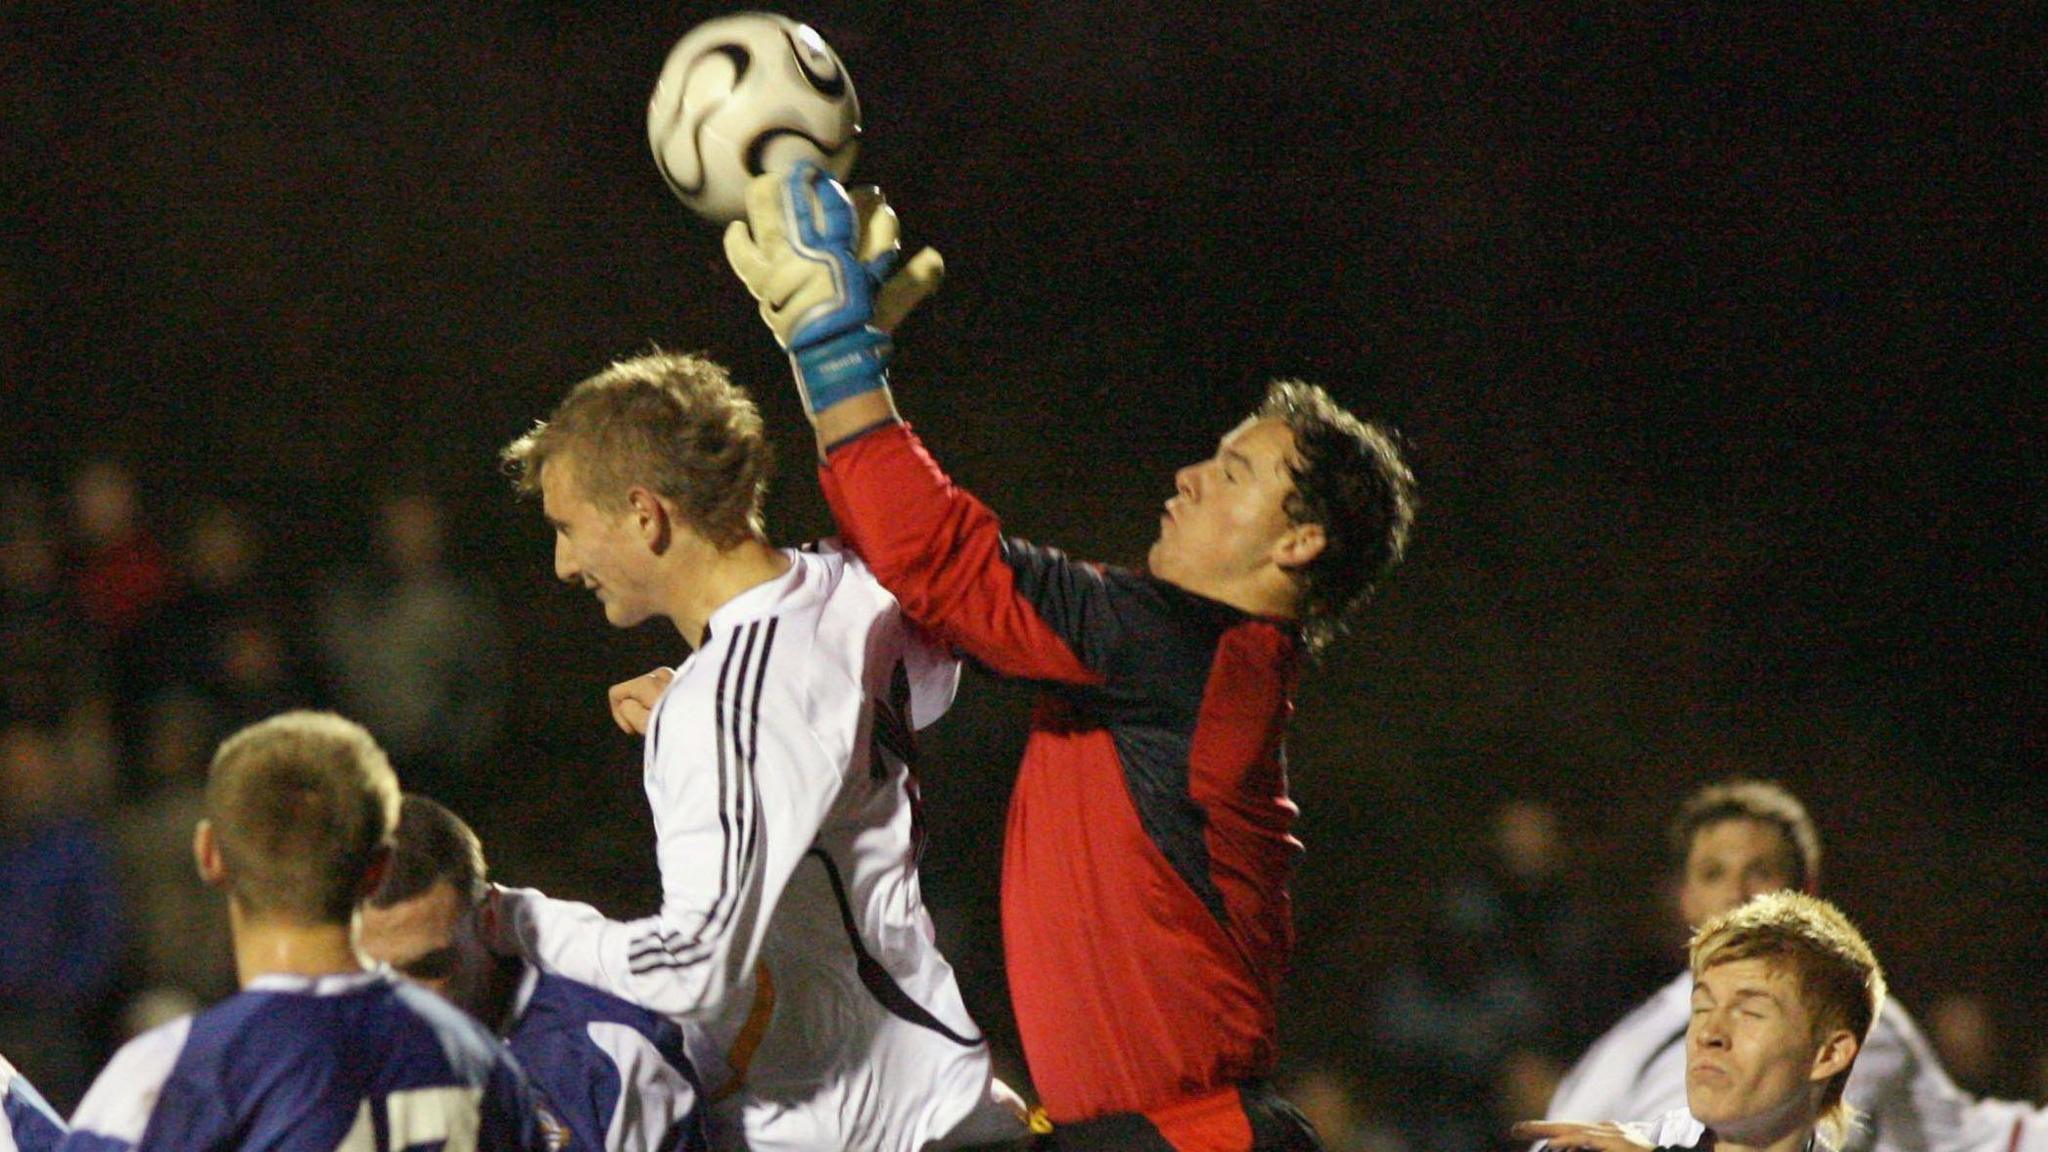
{"type": "Point", "coordinates": [1158, 557]}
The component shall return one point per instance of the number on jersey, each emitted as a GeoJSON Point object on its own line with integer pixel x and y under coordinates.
{"type": "Point", "coordinates": [419, 1117]}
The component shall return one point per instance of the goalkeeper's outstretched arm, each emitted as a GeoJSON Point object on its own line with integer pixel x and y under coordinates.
{"type": "Point", "coordinates": [823, 264]}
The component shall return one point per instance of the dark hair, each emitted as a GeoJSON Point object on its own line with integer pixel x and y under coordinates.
{"type": "Point", "coordinates": [1353, 482]}
{"type": "Point", "coordinates": [1763, 801]}
{"type": "Point", "coordinates": [432, 845]}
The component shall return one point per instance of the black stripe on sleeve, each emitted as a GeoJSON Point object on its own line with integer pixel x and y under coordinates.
{"type": "Point", "coordinates": [754, 733]}
{"type": "Point", "coordinates": [735, 722]}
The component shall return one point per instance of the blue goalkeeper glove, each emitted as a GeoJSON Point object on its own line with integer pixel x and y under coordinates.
{"type": "Point", "coordinates": [820, 260]}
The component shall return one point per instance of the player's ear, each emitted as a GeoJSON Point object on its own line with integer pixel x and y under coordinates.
{"type": "Point", "coordinates": [1299, 545]}
{"type": "Point", "coordinates": [1837, 1051]}
{"type": "Point", "coordinates": [206, 855]}
{"type": "Point", "coordinates": [652, 518]}
{"type": "Point", "coordinates": [1671, 891]}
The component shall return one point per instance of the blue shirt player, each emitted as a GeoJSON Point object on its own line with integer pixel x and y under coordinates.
{"type": "Point", "coordinates": [27, 1122]}
{"type": "Point", "coordinates": [318, 1052]}
{"type": "Point", "coordinates": [614, 1076]}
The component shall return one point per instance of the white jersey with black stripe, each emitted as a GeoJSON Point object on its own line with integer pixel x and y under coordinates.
{"type": "Point", "coordinates": [1903, 1099]}
{"type": "Point", "coordinates": [778, 770]}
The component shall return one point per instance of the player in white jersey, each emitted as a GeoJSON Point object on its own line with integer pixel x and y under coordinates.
{"type": "Point", "coordinates": [1732, 841]}
{"type": "Point", "coordinates": [1784, 992]}
{"type": "Point", "coordinates": [615, 1076]}
{"type": "Point", "coordinates": [317, 1052]}
{"type": "Point", "coordinates": [777, 768]}
{"type": "Point", "coordinates": [27, 1122]}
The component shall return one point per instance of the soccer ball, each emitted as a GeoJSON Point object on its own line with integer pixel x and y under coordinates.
{"type": "Point", "coordinates": [746, 94]}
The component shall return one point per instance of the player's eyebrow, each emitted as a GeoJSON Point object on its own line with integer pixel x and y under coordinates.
{"type": "Point", "coordinates": [1747, 992]}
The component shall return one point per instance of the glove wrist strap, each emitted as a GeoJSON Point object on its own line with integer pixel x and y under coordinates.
{"type": "Point", "coordinates": [845, 366]}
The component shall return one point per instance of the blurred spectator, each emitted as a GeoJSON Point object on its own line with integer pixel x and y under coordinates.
{"type": "Point", "coordinates": [182, 953]}
{"type": "Point", "coordinates": [121, 578]}
{"type": "Point", "coordinates": [63, 935]}
{"type": "Point", "coordinates": [1508, 980]}
{"type": "Point", "coordinates": [1448, 1014]}
{"type": "Point", "coordinates": [1566, 940]}
{"type": "Point", "coordinates": [227, 637]}
{"type": "Point", "coordinates": [1963, 1032]}
{"type": "Point", "coordinates": [1333, 1103]}
{"type": "Point", "coordinates": [44, 662]}
{"type": "Point", "coordinates": [1526, 1079]}
{"type": "Point", "coordinates": [414, 650]}
{"type": "Point", "coordinates": [122, 575]}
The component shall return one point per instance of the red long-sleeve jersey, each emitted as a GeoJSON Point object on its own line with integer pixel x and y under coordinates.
{"type": "Point", "coordinates": [1146, 921]}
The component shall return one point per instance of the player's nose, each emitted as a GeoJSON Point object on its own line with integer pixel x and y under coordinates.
{"type": "Point", "coordinates": [565, 563]}
{"type": "Point", "coordinates": [1184, 480]}
{"type": "Point", "coordinates": [1710, 1029]}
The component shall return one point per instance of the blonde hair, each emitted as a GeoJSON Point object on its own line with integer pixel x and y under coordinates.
{"type": "Point", "coordinates": [300, 805]}
{"type": "Point", "coordinates": [1838, 976]}
{"type": "Point", "coordinates": [670, 422]}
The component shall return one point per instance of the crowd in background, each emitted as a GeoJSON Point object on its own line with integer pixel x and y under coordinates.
{"type": "Point", "coordinates": [127, 651]}
{"type": "Point", "coordinates": [129, 646]}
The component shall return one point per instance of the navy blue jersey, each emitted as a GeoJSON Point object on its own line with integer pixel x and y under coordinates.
{"type": "Point", "coordinates": [27, 1122]}
{"type": "Point", "coordinates": [355, 1063]}
{"type": "Point", "coordinates": [614, 1074]}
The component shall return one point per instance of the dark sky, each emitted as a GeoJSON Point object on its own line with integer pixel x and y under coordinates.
{"type": "Point", "coordinates": [1714, 334]}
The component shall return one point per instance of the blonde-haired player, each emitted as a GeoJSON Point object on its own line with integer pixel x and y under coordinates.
{"type": "Point", "coordinates": [1731, 840]}
{"type": "Point", "coordinates": [1784, 993]}
{"type": "Point", "coordinates": [778, 773]}
{"type": "Point", "coordinates": [318, 1052]}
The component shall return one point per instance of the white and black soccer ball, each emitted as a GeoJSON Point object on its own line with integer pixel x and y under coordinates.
{"type": "Point", "coordinates": [745, 94]}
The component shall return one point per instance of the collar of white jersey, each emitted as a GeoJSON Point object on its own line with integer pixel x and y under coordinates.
{"type": "Point", "coordinates": [337, 984]}
{"type": "Point", "coordinates": [762, 599]}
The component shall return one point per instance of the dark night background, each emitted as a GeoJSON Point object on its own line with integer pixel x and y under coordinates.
{"type": "Point", "coordinates": [1713, 332]}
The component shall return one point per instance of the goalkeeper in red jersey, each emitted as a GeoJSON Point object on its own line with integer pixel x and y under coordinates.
{"type": "Point", "coordinates": [1146, 920]}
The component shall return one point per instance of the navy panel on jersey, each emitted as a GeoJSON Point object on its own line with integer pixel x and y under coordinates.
{"type": "Point", "coordinates": [581, 1080]}
{"type": "Point", "coordinates": [342, 1064]}
{"type": "Point", "coordinates": [26, 1118]}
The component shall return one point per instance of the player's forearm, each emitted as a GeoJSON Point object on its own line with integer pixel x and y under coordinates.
{"type": "Point", "coordinates": [923, 537]}
{"type": "Point", "coordinates": [941, 553]}
{"type": "Point", "coordinates": [627, 960]}
{"type": "Point", "coordinates": [852, 416]}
